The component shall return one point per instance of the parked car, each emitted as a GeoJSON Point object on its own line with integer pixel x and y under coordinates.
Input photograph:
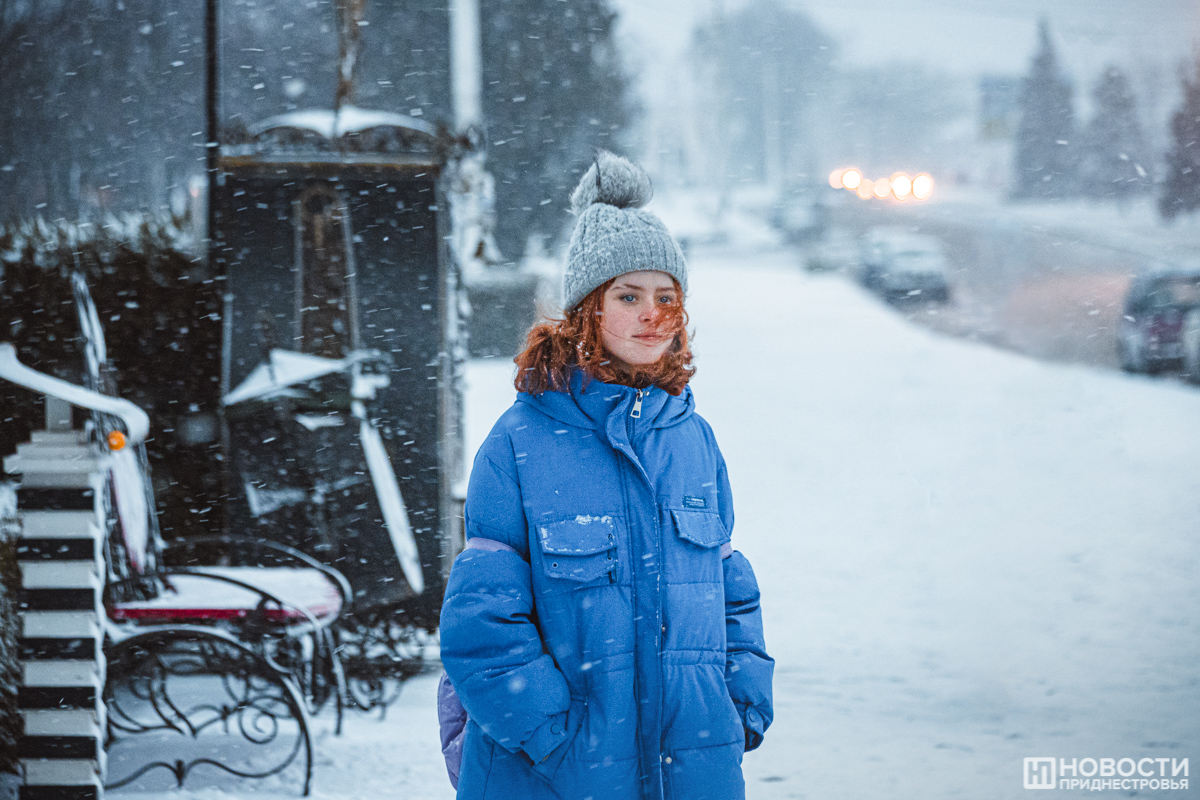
{"type": "Point", "coordinates": [837, 250]}
{"type": "Point", "coordinates": [873, 250]}
{"type": "Point", "coordinates": [800, 217]}
{"type": "Point", "coordinates": [904, 266]}
{"type": "Point", "coordinates": [1191, 345]}
{"type": "Point", "coordinates": [1152, 325]}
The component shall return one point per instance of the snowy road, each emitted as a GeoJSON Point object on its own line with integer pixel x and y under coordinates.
{"type": "Point", "coordinates": [966, 556]}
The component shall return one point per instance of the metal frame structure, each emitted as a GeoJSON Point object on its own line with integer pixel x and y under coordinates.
{"type": "Point", "coordinates": [299, 445]}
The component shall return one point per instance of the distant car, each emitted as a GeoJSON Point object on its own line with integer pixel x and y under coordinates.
{"type": "Point", "coordinates": [1191, 345]}
{"type": "Point", "coordinates": [836, 251]}
{"type": "Point", "coordinates": [799, 217]}
{"type": "Point", "coordinates": [873, 250]}
{"type": "Point", "coordinates": [904, 266]}
{"type": "Point", "coordinates": [1152, 325]}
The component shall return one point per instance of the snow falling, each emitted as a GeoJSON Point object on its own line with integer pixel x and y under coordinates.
{"type": "Point", "coordinates": [944, 284]}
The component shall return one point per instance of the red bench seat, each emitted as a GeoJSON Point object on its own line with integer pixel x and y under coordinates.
{"type": "Point", "coordinates": [195, 598]}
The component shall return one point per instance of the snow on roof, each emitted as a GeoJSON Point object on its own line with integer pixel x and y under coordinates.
{"type": "Point", "coordinates": [331, 125]}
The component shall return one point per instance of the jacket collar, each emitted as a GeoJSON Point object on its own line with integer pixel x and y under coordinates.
{"type": "Point", "coordinates": [592, 406]}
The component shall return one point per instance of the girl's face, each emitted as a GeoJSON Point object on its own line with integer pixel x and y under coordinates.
{"type": "Point", "coordinates": [631, 308]}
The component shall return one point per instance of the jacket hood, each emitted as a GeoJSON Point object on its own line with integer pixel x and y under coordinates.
{"type": "Point", "coordinates": [592, 406]}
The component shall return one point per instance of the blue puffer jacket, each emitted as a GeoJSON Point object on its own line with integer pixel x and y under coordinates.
{"type": "Point", "coordinates": [610, 646]}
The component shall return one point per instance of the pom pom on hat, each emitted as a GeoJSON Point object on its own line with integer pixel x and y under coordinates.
{"type": "Point", "coordinates": [614, 181]}
{"type": "Point", "coordinates": [613, 234]}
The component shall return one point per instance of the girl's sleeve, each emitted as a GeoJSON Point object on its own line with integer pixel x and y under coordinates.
{"type": "Point", "coordinates": [490, 646]}
{"type": "Point", "coordinates": [748, 668]}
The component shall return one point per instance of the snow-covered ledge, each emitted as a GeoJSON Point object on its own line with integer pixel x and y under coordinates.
{"type": "Point", "coordinates": [137, 424]}
{"type": "Point", "coordinates": [335, 124]}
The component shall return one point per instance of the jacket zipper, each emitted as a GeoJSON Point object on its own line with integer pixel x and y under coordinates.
{"type": "Point", "coordinates": [635, 413]}
{"type": "Point", "coordinates": [637, 694]}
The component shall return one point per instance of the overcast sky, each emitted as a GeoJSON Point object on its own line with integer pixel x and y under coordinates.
{"type": "Point", "coordinates": [963, 36]}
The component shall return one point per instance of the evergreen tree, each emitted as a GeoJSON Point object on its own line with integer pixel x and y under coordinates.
{"type": "Point", "coordinates": [1181, 189]}
{"type": "Point", "coordinates": [553, 90]}
{"type": "Point", "coordinates": [1114, 148]}
{"type": "Point", "coordinates": [1045, 159]}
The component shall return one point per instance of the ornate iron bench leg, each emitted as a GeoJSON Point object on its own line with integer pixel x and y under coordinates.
{"type": "Point", "coordinates": [172, 685]}
{"type": "Point", "coordinates": [340, 690]}
{"type": "Point", "coordinates": [378, 656]}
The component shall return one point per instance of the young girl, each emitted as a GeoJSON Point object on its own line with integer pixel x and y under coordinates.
{"type": "Point", "coordinates": [600, 630]}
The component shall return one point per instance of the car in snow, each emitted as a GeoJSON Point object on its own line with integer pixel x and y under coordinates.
{"type": "Point", "coordinates": [1153, 332]}
{"type": "Point", "coordinates": [904, 266]}
{"type": "Point", "coordinates": [835, 251]}
{"type": "Point", "coordinates": [873, 248]}
{"type": "Point", "coordinates": [799, 217]}
{"type": "Point", "coordinates": [1191, 345]}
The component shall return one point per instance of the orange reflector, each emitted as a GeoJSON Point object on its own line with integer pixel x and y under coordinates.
{"type": "Point", "coordinates": [116, 440]}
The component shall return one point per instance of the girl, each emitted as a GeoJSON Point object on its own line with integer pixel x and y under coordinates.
{"type": "Point", "coordinates": [600, 630]}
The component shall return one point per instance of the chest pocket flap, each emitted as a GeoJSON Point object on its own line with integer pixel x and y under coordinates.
{"type": "Point", "coordinates": [579, 549]}
{"type": "Point", "coordinates": [700, 528]}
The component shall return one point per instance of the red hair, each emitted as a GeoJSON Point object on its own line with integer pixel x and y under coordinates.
{"type": "Point", "coordinates": [554, 347]}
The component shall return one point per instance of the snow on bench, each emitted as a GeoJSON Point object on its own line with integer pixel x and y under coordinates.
{"type": "Point", "coordinates": [195, 597]}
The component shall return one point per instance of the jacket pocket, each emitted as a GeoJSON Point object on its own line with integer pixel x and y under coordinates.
{"type": "Point", "coordinates": [701, 528]}
{"type": "Point", "coordinates": [582, 549]}
{"type": "Point", "coordinates": [692, 555]}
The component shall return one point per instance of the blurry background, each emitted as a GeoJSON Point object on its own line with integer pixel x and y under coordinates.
{"type": "Point", "coordinates": [733, 107]}
{"type": "Point", "coordinates": [969, 556]}
{"type": "Point", "coordinates": [104, 97]}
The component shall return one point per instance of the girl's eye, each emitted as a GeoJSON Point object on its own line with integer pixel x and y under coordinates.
{"type": "Point", "coordinates": [629, 298]}
{"type": "Point", "coordinates": [665, 299]}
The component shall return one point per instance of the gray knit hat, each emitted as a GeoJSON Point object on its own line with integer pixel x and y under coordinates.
{"type": "Point", "coordinates": [613, 235]}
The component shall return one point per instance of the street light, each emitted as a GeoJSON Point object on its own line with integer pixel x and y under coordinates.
{"type": "Point", "coordinates": [852, 179]}
{"type": "Point", "coordinates": [901, 186]}
{"type": "Point", "coordinates": [922, 186]}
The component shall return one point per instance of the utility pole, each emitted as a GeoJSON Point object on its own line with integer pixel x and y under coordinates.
{"type": "Point", "coordinates": [724, 146]}
{"type": "Point", "coordinates": [211, 108]}
{"type": "Point", "coordinates": [473, 193]}
{"type": "Point", "coordinates": [466, 69]}
{"type": "Point", "coordinates": [351, 15]}
{"type": "Point", "coordinates": [772, 121]}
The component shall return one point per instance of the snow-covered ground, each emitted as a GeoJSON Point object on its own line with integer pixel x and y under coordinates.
{"type": "Point", "coordinates": [966, 556]}
{"type": "Point", "coordinates": [1047, 279]}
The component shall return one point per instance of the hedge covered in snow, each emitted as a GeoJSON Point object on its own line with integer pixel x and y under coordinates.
{"type": "Point", "coordinates": [160, 309]}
